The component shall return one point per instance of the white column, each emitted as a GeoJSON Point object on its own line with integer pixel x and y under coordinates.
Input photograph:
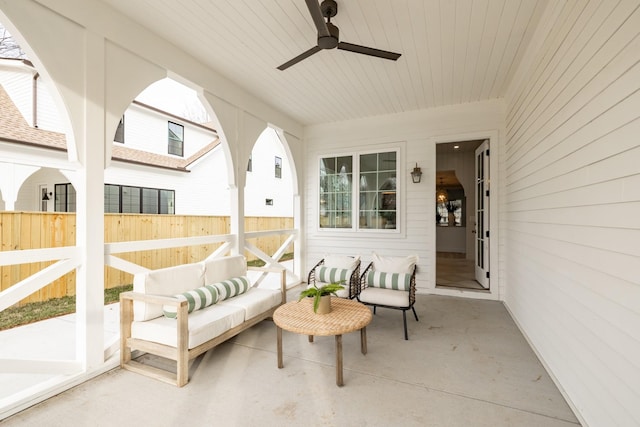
{"type": "Point", "coordinates": [90, 211]}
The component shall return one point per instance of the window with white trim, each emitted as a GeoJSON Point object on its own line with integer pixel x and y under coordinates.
{"type": "Point", "coordinates": [336, 192]}
{"type": "Point", "coordinates": [375, 191]}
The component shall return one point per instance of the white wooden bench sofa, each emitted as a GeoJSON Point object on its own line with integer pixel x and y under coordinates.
{"type": "Point", "coordinates": [181, 312]}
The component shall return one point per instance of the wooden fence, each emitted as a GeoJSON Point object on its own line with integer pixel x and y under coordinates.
{"type": "Point", "coordinates": [33, 230]}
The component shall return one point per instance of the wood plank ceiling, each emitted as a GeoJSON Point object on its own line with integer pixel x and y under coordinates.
{"type": "Point", "coordinates": [453, 51]}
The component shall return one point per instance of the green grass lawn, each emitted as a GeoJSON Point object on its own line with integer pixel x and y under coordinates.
{"type": "Point", "coordinates": [36, 311]}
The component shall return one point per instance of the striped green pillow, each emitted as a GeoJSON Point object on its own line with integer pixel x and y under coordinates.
{"type": "Point", "coordinates": [333, 275]}
{"type": "Point", "coordinates": [232, 287]}
{"type": "Point", "coordinates": [396, 281]}
{"type": "Point", "coordinates": [196, 298]}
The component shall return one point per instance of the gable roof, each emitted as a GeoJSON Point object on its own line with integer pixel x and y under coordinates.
{"type": "Point", "coordinates": [15, 129]}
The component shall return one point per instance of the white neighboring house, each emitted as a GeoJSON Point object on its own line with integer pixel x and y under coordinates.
{"type": "Point", "coordinates": [160, 160]}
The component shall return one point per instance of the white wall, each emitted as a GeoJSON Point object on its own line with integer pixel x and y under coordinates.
{"type": "Point", "coordinates": [204, 191]}
{"type": "Point", "coordinates": [261, 182]}
{"type": "Point", "coordinates": [416, 134]}
{"type": "Point", "coordinates": [17, 79]}
{"type": "Point", "coordinates": [572, 205]}
{"type": "Point", "coordinates": [147, 130]}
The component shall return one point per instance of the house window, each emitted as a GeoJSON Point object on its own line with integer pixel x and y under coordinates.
{"type": "Point", "coordinates": [278, 167]}
{"type": "Point", "coordinates": [119, 136]}
{"type": "Point", "coordinates": [176, 139]}
{"type": "Point", "coordinates": [111, 198]}
{"type": "Point", "coordinates": [128, 199]}
{"type": "Point", "coordinates": [65, 198]}
{"type": "Point", "coordinates": [167, 202]}
{"type": "Point", "coordinates": [250, 163]}
{"type": "Point", "coordinates": [376, 191]}
{"type": "Point", "coordinates": [336, 188]}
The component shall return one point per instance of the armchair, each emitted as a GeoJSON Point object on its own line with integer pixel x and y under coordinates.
{"type": "Point", "coordinates": [390, 282]}
{"type": "Point", "coordinates": [337, 268]}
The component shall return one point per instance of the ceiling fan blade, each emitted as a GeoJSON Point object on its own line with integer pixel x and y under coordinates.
{"type": "Point", "coordinates": [318, 18]}
{"type": "Point", "coordinates": [299, 58]}
{"type": "Point", "coordinates": [368, 51]}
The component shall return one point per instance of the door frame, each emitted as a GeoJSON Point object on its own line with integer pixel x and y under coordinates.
{"type": "Point", "coordinates": [494, 291]}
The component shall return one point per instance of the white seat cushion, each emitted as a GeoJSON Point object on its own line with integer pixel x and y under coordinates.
{"type": "Point", "coordinates": [165, 281]}
{"type": "Point", "coordinates": [254, 301]}
{"type": "Point", "coordinates": [380, 296]}
{"type": "Point", "coordinates": [341, 261]}
{"type": "Point", "coordinates": [390, 264]}
{"type": "Point", "coordinates": [204, 325]}
{"type": "Point", "coordinates": [221, 269]}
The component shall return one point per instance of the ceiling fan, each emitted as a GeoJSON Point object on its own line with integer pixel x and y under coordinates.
{"type": "Point", "coordinates": [328, 35]}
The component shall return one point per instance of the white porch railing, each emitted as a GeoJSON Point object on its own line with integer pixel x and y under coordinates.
{"type": "Point", "coordinates": [68, 258]}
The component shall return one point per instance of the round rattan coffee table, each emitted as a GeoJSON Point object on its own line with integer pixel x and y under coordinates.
{"type": "Point", "coordinates": [345, 316]}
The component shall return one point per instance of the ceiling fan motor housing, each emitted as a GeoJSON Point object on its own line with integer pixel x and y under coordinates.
{"type": "Point", "coordinates": [329, 8]}
{"type": "Point", "coordinates": [331, 41]}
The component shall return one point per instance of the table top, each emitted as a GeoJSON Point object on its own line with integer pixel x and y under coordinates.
{"type": "Point", "coordinates": [346, 316]}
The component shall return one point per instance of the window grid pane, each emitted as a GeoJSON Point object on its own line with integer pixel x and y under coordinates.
{"type": "Point", "coordinates": [378, 191]}
{"type": "Point", "coordinates": [336, 189]}
{"type": "Point", "coordinates": [176, 139]}
{"type": "Point", "coordinates": [130, 199]}
{"type": "Point", "coordinates": [150, 198]}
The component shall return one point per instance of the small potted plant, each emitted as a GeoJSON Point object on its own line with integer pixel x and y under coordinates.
{"type": "Point", "coordinates": [321, 296]}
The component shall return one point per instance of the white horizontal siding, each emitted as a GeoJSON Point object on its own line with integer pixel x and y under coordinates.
{"type": "Point", "coordinates": [571, 202]}
{"type": "Point", "coordinates": [416, 134]}
{"type": "Point", "coordinates": [147, 130]}
{"type": "Point", "coordinates": [48, 117]}
{"type": "Point", "coordinates": [18, 85]}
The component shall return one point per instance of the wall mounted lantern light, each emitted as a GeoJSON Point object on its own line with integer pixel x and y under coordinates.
{"type": "Point", "coordinates": [45, 195]}
{"type": "Point", "coordinates": [416, 174]}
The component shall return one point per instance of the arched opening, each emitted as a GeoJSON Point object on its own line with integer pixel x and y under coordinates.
{"type": "Point", "coordinates": [269, 201]}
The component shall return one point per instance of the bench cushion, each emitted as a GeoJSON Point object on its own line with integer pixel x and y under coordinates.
{"type": "Point", "coordinates": [221, 269]}
{"type": "Point", "coordinates": [231, 287]}
{"type": "Point", "coordinates": [165, 281]}
{"type": "Point", "coordinates": [196, 299]}
{"type": "Point", "coordinates": [204, 325]}
{"type": "Point", "coordinates": [254, 302]}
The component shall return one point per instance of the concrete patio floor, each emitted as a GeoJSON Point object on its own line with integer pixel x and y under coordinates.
{"type": "Point", "coordinates": [465, 364]}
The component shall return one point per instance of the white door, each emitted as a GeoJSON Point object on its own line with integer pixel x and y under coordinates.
{"type": "Point", "coordinates": [482, 215]}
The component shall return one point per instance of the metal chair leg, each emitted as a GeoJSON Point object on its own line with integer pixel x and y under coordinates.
{"type": "Point", "coordinates": [414, 313]}
{"type": "Point", "coordinates": [404, 319]}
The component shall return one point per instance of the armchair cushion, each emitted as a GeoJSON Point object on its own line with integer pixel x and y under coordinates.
{"type": "Point", "coordinates": [394, 264]}
{"type": "Point", "coordinates": [197, 298]}
{"type": "Point", "coordinates": [341, 261]}
{"type": "Point", "coordinates": [231, 287]}
{"type": "Point", "coordinates": [332, 274]}
{"type": "Point", "coordinates": [395, 281]}
{"type": "Point", "coordinates": [386, 297]}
